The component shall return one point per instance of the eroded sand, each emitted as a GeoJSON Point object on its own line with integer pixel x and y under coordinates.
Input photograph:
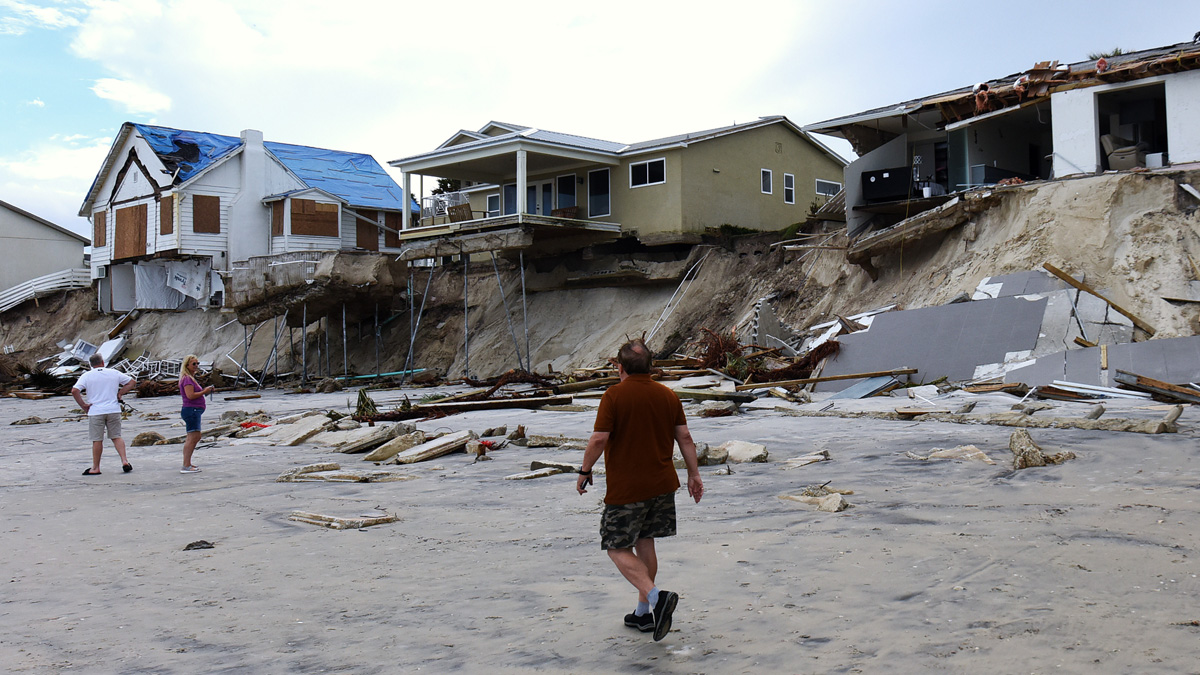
{"type": "Point", "coordinates": [940, 566]}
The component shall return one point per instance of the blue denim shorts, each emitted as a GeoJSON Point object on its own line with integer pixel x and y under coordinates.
{"type": "Point", "coordinates": [191, 418]}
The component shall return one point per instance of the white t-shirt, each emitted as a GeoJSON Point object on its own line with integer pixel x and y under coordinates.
{"type": "Point", "coordinates": [101, 385]}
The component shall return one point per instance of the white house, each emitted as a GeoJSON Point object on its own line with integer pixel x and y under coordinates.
{"type": "Point", "coordinates": [173, 210]}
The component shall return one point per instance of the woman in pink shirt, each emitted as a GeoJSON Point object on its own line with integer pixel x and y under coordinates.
{"type": "Point", "coordinates": [193, 408]}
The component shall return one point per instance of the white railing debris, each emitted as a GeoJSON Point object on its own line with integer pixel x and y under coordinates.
{"type": "Point", "coordinates": [45, 285]}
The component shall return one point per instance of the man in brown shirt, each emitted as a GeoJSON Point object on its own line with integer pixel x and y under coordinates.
{"type": "Point", "coordinates": [638, 422]}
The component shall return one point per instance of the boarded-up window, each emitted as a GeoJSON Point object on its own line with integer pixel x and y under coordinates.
{"type": "Point", "coordinates": [277, 219]}
{"type": "Point", "coordinates": [314, 218]}
{"type": "Point", "coordinates": [367, 234]}
{"type": "Point", "coordinates": [99, 228]}
{"type": "Point", "coordinates": [166, 214]}
{"type": "Point", "coordinates": [130, 234]}
{"type": "Point", "coordinates": [393, 221]}
{"type": "Point", "coordinates": [206, 214]}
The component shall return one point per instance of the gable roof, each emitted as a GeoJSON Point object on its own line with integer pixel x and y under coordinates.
{"type": "Point", "coordinates": [43, 221]}
{"type": "Point", "coordinates": [610, 148]}
{"type": "Point", "coordinates": [355, 178]}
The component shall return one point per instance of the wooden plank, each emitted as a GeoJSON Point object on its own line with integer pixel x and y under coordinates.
{"type": "Point", "coordinates": [1088, 289]}
{"type": "Point", "coordinates": [1084, 343]}
{"type": "Point", "coordinates": [827, 378]}
{"type": "Point", "coordinates": [1015, 388]}
{"type": "Point", "coordinates": [1165, 389]}
{"type": "Point", "coordinates": [913, 412]}
{"type": "Point", "coordinates": [1103, 357]}
{"type": "Point", "coordinates": [571, 387]}
{"type": "Point", "coordinates": [714, 395]}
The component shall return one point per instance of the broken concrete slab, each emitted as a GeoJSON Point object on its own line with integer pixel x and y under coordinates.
{"type": "Point", "coordinates": [805, 460]}
{"type": "Point", "coordinates": [301, 430]}
{"type": "Point", "coordinates": [542, 441]}
{"type": "Point", "coordinates": [147, 438]}
{"type": "Point", "coordinates": [718, 409]}
{"type": "Point", "coordinates": [963, 452]}
{"type": "Point", "coordinates": [353, 477]}
{"type": "Point", "coordinates": [535, 473]}
{"type": "Point", "coordinates": [395, 446]}
{"type": "Point", "coordinates": [739, 452]}
{"type": "Point", "coordinates": [340, 523]}
{"type": "Point", "coordinates": [291, 474]}
{"type": "Point", "coordinates": [435, 448]}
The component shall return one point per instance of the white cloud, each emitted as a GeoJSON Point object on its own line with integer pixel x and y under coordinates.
{"type": "Point", "coordinates": [37, 102]}
{"type": "Point", "coordinates": [27, 15]}
{"type": "Point", "coordinates": [135, 97]}
{"type": "Point", "coordinates": [51, 179]}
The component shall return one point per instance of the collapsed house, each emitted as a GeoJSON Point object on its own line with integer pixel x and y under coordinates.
{"type": "Point", "coordinates": [921, 158]}
{"type": "Point", "coordinates": [174, 211]}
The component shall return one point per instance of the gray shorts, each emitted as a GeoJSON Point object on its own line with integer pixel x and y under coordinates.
{"type": "Point", "coordinates": [622, 525]}
{"type": "Point", "coordinates": [98, 423]}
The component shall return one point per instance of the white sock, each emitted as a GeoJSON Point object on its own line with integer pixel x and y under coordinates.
{"type": "Point", "coordinates": [642, 608]}
{"type": "Point", "coordinates": [652, 596]}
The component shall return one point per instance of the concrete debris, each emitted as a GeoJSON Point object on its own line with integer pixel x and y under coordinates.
{"type": "Point", "coordinates": [1095, 413]}
{"type": "Point", "coordinates": [518, 433]}
{"type": "Point", "coordinates": [1026, 453]}
{"type": "Point", "coordinates": [147, 438]}
{"type": "Point", "coordinates": [963, 452]}
{"type": "Point", "coordinates": [302, 430]}
{"type": "Point", "coordinates": [328, 385]}
{"type": "Point", "coordinates": [562, 467]}
{"type": "Point", "coordinates": [291, 474]}
{"type": "Point", "coordinates": [539, 441]}
{"type": "Point", "coordinates": [395, 446]}
{"type": "Point", "coordinates": [706, 455]}
{"type": "Point", "coordinates": [740, 452]}
{"type": "Point", "coordinates": [340, 523]}
{"type": "Point", "coordinates": [435, 448]}
{"type": "Point", "coordinates": [805, 460]}
{"type": "Point", "coordinates": [718, 408]}
{"type": "Point", "coordinates": [536, 473]}
{"type": "Point", "coordinates": [824, 498]}
{"type": "Point", "coordinates": [353, 477]}
{"type": "Point", "coordinates": [495, 431]}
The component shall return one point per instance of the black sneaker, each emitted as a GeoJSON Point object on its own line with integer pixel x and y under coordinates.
{"type": "Point", "coordinates": [663, 609]}
{"type": "Point", "coordinates": [644, 623]}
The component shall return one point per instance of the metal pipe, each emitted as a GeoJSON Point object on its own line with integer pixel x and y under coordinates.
{"type": "Point", "coordinates": [328, 368]}
{"type": "Point", "coordinates": [412, 336]}
{"type": "Point", "coordinates": [525, 315]}
{"type": "Point", "coordinates": [377, 368]}
{"type": "Point", "coordinates": [466, 319]}
{"type": "Point", "coordinates": [304, 345]}
{"type": "Point", "coordinates": [507, 315]}
{"type": "Point", "coordinates": [345, 359]}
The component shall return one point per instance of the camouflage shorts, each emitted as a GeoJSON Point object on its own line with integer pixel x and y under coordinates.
{"type": "Point", "coordinates": [623, 524]}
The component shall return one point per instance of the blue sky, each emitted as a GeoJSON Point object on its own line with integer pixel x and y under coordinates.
{"type": "Point", "coordinates": [394, 79]}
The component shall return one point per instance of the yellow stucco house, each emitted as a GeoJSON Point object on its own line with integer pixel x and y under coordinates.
{"type": "Point", "coordinates": [526, 188]}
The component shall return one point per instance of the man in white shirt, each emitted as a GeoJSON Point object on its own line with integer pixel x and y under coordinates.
{"type": "Point", "coordinates": [104, 388]}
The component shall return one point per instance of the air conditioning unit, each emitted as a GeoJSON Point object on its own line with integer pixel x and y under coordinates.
{"type": "Point", "coordinates": [101, 272]}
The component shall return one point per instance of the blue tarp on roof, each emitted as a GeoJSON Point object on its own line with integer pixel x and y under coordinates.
{"type": "Point", "coordinates": [354, 177]}
{"type": "Point", "coordinates": [188, 151]}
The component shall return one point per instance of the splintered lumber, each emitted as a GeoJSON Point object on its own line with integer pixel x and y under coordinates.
{"type": "Point", "coordinates": [1014, 388]}
{"type": "Point", "coordinates": [339, 523]}
{"type": "Point", "coordinates": [572, 387]}
{"type": "Point", "coordinates": [1088, 289]}
{"type": "Point", "coordinates": [489, 404]}
{"type": "Point", "coordinates": [1157, 387]}
{"type": "Point", "coordinates": [713, 395]}
{"type": "Point", "coordinates": [914, 412]}
{"type": "Point", "coordinates": [435, 448]}
{"type": "Point", "coordinates": [826, 378]}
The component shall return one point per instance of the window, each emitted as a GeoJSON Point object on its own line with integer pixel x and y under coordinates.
{"type": "Point", "coordinates": [789, 189]}
{"type": "Point", "coordinates": [599, 201]}
{"type": "Point", "coordinates": [766, 181]}
{"type": "Point", "coordinates": [99, 228]}
{"type": "Point", "coordinates": [493, 205]}
{"type": "Point", "coordinates": [206, 214]}
{"type": "Point", "coordinates": [653, 172]}
{"type": "Point", "coordinates": [314, 218]}
{"type": "Point", "coordinates": [566, 190]}
{"type": "Point", "coordinates": [828, 187]}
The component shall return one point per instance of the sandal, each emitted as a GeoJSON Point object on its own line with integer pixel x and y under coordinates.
{"type": "Point", "coordinates": [127, 468]}
{"type": "Point", "coordinates": [190, 469]}
{"type": "Point", "coordinates": [89, 472]}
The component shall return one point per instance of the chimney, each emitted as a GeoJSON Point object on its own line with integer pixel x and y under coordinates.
{"type": "Point", "coordinates": [250, 221]}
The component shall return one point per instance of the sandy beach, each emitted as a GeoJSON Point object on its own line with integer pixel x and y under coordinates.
{"type": "Point", "coordinates": [940, 565]}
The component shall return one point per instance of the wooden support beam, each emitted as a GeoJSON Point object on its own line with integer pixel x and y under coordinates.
{"type": "Point", "coordinates": [1088, 289]}
{"type": "Point", "coordinates": [828, 378]}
